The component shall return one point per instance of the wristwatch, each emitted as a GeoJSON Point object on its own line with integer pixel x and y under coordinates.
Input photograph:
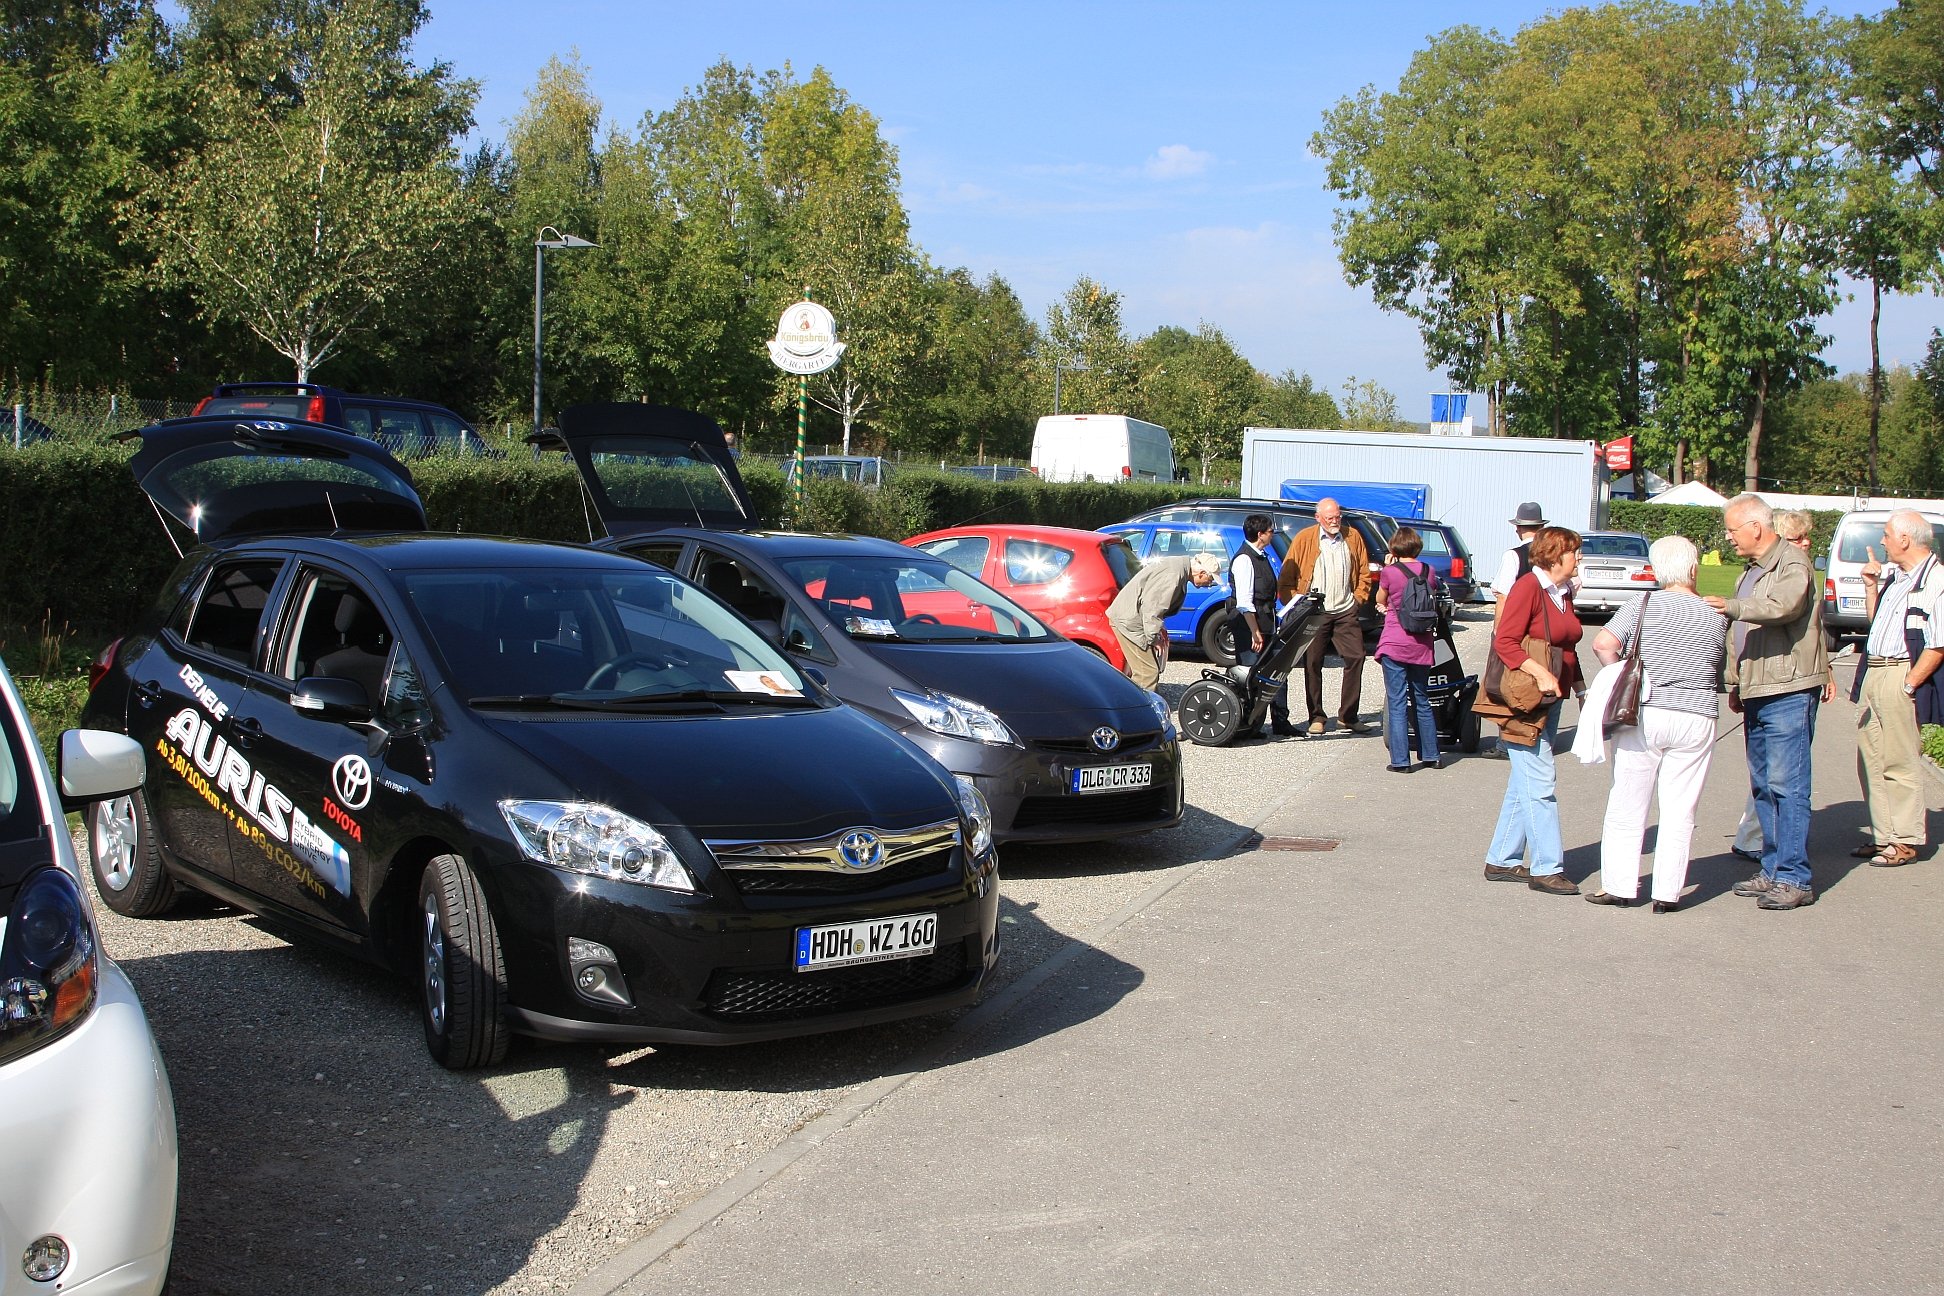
{"type": "Point", "coordinates": [1910, 690]}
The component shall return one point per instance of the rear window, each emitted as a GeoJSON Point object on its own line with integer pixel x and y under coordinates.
{"type": "Point", "coordinates": [1434, 544]}
{"type": "Point", "coordinates": [1121, 560]}
{"type": "Point", "coordinates": [1614, 546]}
{"type": "Point", "coordinates": [1034, 562]}
{"type": "Point", "coordinates": [1860, 536]}
{"type": "Point", "coordinates": [288, 407]}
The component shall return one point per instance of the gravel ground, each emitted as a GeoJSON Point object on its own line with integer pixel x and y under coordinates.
{"type": "Point", "coordinates": [322, 1149]}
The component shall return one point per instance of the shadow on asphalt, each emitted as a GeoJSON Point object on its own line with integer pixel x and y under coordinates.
{"type": "Point", "coordinates": [322, 1148]}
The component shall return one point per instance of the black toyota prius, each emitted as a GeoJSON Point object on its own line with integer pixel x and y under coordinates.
{"type": "Point", "coordinates": [573, 795]}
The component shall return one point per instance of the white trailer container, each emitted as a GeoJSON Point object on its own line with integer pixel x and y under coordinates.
{"type": "Point", "coordinates": [1101, 447]}
{"type": "Point", "coordinates": [1476, 482]}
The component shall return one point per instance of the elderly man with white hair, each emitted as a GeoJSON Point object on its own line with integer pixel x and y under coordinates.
{"type": "Point", "coordinates": [1155, 593]}
{"type": "Point", "coordinates": [1902, 653]}
{"type": "Point", "coordinates": [1777, 663]}
{"type": "Point", "coordinates": [1682, 644]}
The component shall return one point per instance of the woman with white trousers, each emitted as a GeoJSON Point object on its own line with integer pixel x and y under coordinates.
{"type": "Point", "coordinates": [1683, 645]}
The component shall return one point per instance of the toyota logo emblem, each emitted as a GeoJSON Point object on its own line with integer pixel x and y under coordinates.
{"type": "Point", "coordinates": [861, 849]}
{"type": "Point", "coordinates": [351, 779]}
{"type": "Point", "coordinates": [1105, 739]}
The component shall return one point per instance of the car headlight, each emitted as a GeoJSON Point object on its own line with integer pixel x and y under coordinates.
{"type": "Point", "coordinates": [955, 717]}
{"type": "Point", "coordinates": [48, 966]}
{"type": "Point", "coordinates": [977, 814]}
{"type": "Point", "coordinates": [583, 837]}
{"type": "Point", "coordinates": [1161, 712]}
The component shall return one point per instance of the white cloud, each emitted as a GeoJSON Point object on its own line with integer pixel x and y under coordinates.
{"type": "Point", "coordinates": [1174, 161]}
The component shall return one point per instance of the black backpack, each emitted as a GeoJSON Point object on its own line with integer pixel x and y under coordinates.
{"type": "Point", "coordinates": [1417, 607]}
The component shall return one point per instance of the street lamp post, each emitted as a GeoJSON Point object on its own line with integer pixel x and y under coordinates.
{"type": "Point", "coordinates": [540, 246]}
{"type": "Point", "coordinates": [1078, 366]}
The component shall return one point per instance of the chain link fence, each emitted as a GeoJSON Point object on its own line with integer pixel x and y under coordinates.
{"type": "Point", "coordinates": [30, 417]}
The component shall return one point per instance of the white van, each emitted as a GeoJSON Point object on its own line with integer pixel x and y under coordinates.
{"type": "Point", "coordinates": [1101, 447]}
{"type": "Point", "coordinates": [1859, 532]}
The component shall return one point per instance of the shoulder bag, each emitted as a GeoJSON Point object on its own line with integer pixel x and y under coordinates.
{"type": "Point", "coordinates": [1524, 692]}
{"type": "Point", "coordinates": [1623, 704]}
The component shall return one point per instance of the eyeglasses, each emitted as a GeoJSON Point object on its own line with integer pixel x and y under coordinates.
{"type": "Point", "coordinates": [1745, 522]}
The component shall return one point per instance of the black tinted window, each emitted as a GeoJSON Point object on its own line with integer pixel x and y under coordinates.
{"type": "Point", "coordinates": [231, 609]}
{"type": "Point", "coordinates": [1120, 558]}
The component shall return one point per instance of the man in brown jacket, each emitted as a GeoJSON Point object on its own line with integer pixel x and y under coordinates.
{"type": "Point", "coordinates": [1331, 559]}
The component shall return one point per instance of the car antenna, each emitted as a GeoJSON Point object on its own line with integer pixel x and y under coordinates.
{"type": "Point", "coordinates": [331, 504]}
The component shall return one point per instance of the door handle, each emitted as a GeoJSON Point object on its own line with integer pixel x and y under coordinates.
{"type": "Point", "coordinates": [247, 732]}
{"type": "Point", "coordinates": [148, 693]}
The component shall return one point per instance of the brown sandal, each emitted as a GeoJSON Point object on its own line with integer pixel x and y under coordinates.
{"type": "Point", "coordinates": [1895, 855]}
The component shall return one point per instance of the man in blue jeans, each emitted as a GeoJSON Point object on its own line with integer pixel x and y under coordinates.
{"type": "Point", "coordinates": [1777, 663]}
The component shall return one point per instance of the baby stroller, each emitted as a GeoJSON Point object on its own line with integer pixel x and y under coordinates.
{"type": "Point", "coordinates": [1450, 689]}
{"type": "Point", "coordinates": [1231, 700]}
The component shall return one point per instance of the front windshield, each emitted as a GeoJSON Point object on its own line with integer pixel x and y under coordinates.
{"type": "Point", "coordinates": [915, 599]}
{"type": "Point", "coordinates": [594, 637]}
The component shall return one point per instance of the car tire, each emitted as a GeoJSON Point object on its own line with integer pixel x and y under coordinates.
{"type": "Point", "coordinates": [1469, 731]}
{"type": "Point", "coordinates": [1832, 640]}
{"type": "Point", "coordinates": [1210, 713]}
{"type": "Point", "coordinates": [125, 860]}
{"type": "Point", "coordinates": [462, 976]}
{"type": "Point", "coordinates": [1217, 639]}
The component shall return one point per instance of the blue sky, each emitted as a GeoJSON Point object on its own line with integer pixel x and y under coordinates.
{"type": "Point", "coordinates": [1160, 148]}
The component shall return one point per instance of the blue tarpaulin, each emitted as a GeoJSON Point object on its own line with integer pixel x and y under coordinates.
{"type": "Point", "coordinates": [1397, 499]}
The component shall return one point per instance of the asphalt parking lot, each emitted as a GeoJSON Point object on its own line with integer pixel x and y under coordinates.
{"type": "Point", "coordinates": [322, 1149]}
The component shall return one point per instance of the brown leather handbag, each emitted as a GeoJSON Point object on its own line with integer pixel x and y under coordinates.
{"type": "Point", "coordinates": [1515, 688]}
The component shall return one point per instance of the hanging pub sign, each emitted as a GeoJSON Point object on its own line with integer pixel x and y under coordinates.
{"type": "Point", "coordinates": [806, 340]}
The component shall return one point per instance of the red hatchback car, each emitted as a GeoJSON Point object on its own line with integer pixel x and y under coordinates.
{"type": "Point", "coordinates": [1063, 576]}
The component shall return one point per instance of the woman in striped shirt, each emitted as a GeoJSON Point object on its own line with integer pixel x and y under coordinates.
{"type": "Point", "coordinates": [1683, 645]}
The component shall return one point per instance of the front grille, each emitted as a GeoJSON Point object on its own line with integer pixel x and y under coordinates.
{"type": "Point", "coordinates": [1083, 745]}
{"type": "Point", "coordinates": [781, 996]}
{"type": "Point", "coordinates": [817, 882]}
{"type": "Point", "coordinates": [1101, 808]}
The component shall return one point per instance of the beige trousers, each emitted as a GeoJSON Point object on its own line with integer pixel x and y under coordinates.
{"type": "Point", "coordinates": [1143, 666]}
{"type": "Point", "coordinates": [1887, 756]}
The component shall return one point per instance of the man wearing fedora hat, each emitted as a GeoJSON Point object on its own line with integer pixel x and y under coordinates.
{"type": "Point", "coordinates": [1526, 520]}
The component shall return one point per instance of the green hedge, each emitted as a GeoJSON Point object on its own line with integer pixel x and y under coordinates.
{"type": "Point", "coordinates": [86, 550]}
{"type": "Point", "coordinates": [1703, 525]}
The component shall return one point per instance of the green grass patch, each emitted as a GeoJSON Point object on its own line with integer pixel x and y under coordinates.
{"type": "Point", "coordinates": [1718, 580]}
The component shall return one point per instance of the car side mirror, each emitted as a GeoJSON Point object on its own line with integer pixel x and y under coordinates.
{"type": "Point", "coordinates": [96, 765]}
{"type": "Point", "coordinates": [330, 698]}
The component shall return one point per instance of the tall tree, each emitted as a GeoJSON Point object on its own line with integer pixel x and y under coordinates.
{"type": "Point", "coordinates": [1198, 387]}
{"type": "Point", "coordinates": [844, 238]}
{"type": "Point", "coordinates": [1096, 370]}
{"type": "Point", "coordinates": [972, 394]}
{"type": "Point", "coordinates": [328, 180]}
{"type": "Point", "coordinates": [1293, 400]}
{"type": "Point", "coordinates": [86, 103]}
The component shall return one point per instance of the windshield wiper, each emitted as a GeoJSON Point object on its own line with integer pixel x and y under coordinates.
{"type": "Point", "coordinates": [691, 698]}
{"type": "Point", "coordinates": [528, 701]}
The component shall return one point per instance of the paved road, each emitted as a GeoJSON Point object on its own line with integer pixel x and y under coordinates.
{"type": "Point", "coordinates": [1370, 1070]}
{"type": "Point", "coordinates": [323, 1150]}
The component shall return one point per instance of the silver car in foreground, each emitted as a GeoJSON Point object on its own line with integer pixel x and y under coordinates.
{"type": "Point", "coordinates": [87, 1122]}
{"type": "Point", "coordinates": [1613, 569]}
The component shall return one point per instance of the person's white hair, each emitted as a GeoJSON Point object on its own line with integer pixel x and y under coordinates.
{"type": "Point", "coordinates": [1675, 560]}
{"type": "Point", "coordinates": [1205, 562]}
{"type": "Point", "coordinates": [1751, 506]}
{"type": "Point", "coordinates": [1912, 526]}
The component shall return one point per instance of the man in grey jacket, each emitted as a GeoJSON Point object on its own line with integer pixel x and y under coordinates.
{"type": "Point", "coordinates": [1156, 593]}
{"type": "Point", "coordinates": [1777, 663]}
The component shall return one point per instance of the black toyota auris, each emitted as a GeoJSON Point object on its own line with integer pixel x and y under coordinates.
{"type": "Point", "coordinates": [572, 794]}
